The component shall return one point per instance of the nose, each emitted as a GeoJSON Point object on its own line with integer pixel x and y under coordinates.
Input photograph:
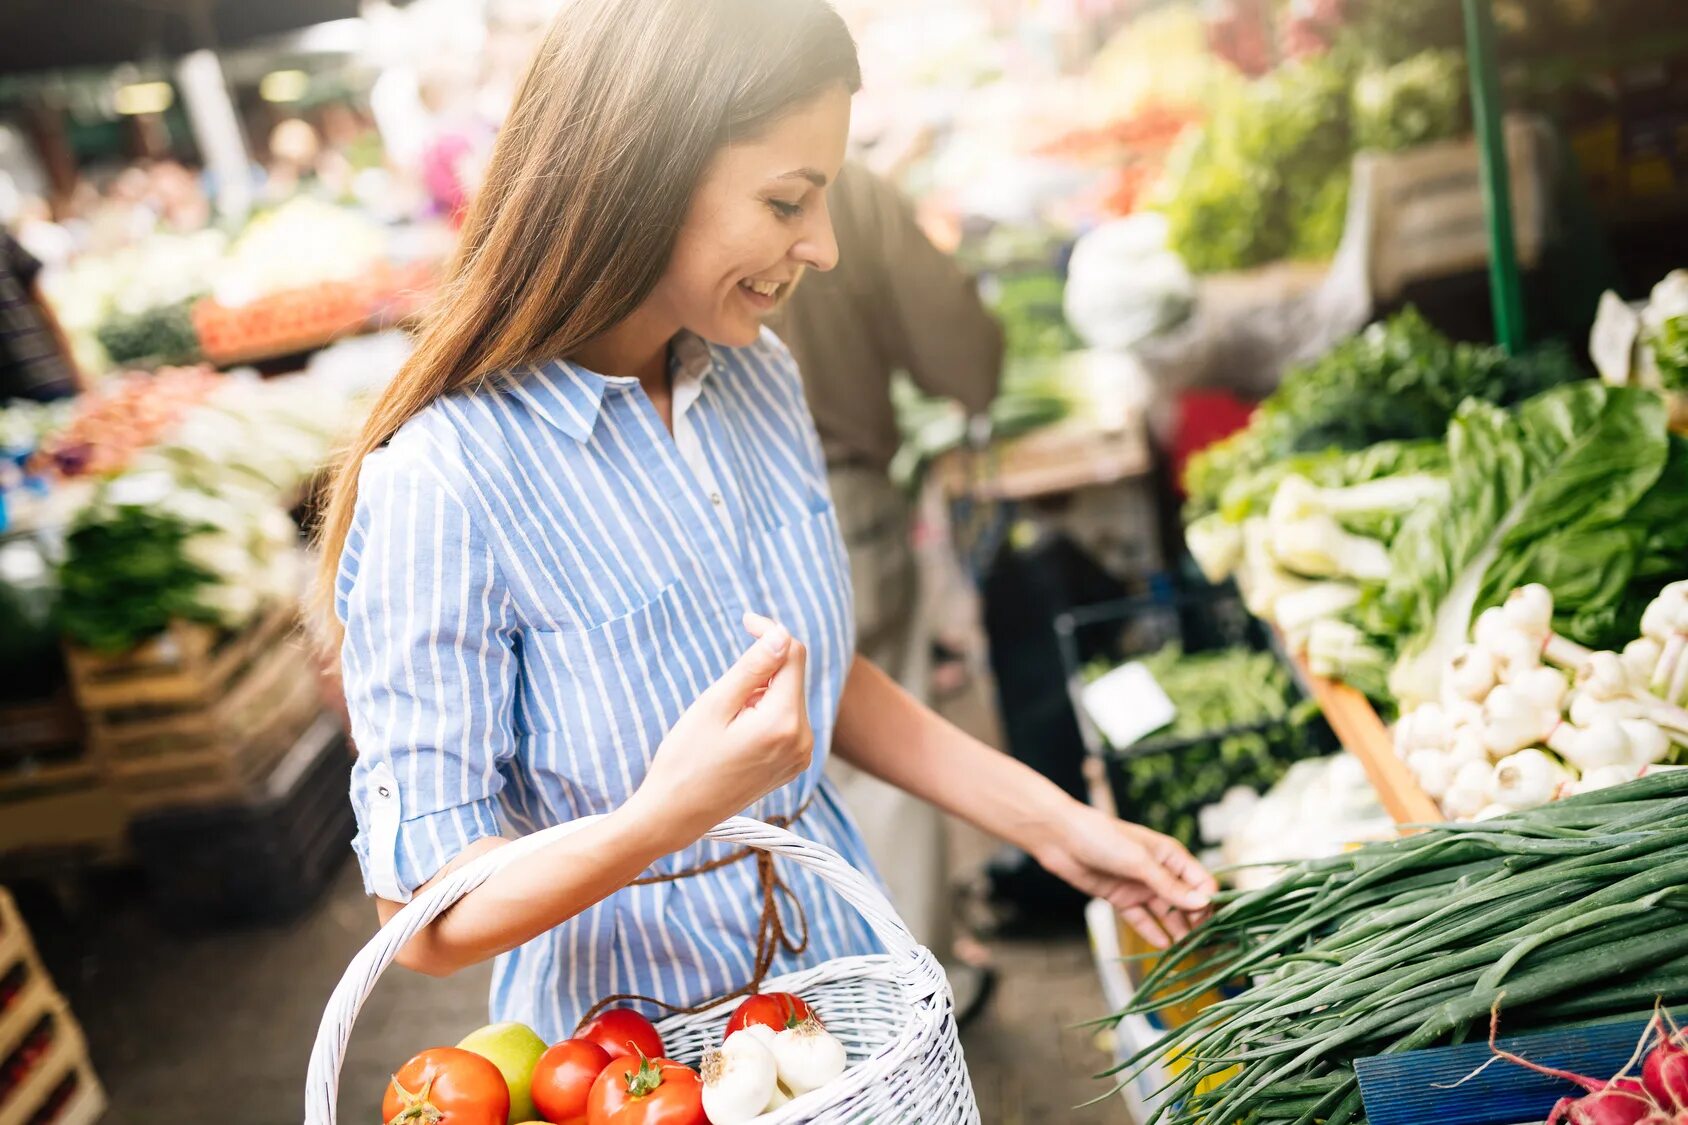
{"type": "Point", "coordinates": [817, 249]}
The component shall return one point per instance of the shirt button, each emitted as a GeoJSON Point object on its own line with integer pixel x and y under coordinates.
{"type": "Point", "coordinates": [715, 498]}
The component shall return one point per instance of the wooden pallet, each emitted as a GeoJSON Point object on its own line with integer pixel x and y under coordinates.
{"type": "Point", "coordinates": [66, 1060]}
{"type": "Point", "coordinates": [194, 716]}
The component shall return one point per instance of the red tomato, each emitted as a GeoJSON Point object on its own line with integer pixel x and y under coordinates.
{"type": "Point", "coordinates": [778, 1010]}
{"type": "Point", "coordinates": [623, 1033]}
{"type": "Point", "coordinates": [563, 1078]}
{"type": "Point", "coordinates": [646, 1091]}
{"type": "Point", "coordinates": [447, 1086]}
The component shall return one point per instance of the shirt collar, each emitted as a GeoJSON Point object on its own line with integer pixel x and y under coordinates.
{"type": "Point", "coordinates": [569, 396]}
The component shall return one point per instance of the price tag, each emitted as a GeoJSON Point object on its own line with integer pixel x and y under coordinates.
{"type": "Point", "coordinates": [1127, 704]}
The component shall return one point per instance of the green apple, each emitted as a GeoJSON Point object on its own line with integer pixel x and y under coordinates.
{"type": "Point", "coordinates": [514, 1048]}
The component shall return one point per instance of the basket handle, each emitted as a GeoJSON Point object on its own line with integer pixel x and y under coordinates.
{"type": "Point", "coordinates": [322, 1080]}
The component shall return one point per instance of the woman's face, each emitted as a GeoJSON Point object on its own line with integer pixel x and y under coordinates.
{"type": "Point", "coordinates": [757, 221]}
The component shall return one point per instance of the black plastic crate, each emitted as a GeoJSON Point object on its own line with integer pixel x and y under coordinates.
{"type": "Point", "coordinates": [1164, 781]}
{"type": "Point", "coordinates": [259, 861]}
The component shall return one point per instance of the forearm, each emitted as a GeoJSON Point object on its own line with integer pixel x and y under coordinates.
{"type": "Point", "coordinates": [888, 733]}
{"type": "Point", "coordinates": [540, 891]}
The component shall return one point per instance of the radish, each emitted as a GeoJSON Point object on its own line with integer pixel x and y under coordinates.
{"type": "Point", "coordinates": [1665, 1070]}
{"type": "Point", "coordinates": [1619, 1101]}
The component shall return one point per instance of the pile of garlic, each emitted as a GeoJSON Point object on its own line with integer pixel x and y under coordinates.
{"type": "Point", "coordinates": [1527, 716]}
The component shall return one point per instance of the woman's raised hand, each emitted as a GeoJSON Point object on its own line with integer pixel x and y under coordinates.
{"type": "Point", "coordinates": [745, 736]}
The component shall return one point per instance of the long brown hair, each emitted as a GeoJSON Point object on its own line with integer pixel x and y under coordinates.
{"type": "Point", "coordinates": [615, 124]}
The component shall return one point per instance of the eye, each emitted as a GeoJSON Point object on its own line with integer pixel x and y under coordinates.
{"type": "Point", "coordinates": [785, 210]}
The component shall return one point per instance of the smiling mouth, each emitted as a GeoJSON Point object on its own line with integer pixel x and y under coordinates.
{"type": "Point", "coordinates": [768, 289]}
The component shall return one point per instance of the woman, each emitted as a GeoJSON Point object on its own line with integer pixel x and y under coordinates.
{"type": "Point", "coordinates": [568, 504]}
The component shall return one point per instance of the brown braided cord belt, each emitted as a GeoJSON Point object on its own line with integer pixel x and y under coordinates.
{"type": "Point", "coordinates": [772, 934]}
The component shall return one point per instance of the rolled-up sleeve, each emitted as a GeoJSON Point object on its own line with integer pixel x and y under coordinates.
{"type": "Point", "coordinates": [430, 670]}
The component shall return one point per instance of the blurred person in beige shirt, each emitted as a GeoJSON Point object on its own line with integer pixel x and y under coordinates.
{"type": "Point", "coordinates": [895, 302]}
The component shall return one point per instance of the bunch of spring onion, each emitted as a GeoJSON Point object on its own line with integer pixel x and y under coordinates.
{"type": "Point", "coordinates": [1570, 912]}
{"type": "Point", "coordinates": [1527, 715]}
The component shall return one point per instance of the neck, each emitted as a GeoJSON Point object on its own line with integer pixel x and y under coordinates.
{"type": "Point", "coordinates": [637, 348]}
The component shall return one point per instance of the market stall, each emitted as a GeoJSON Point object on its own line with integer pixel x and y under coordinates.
{"type": "Point", "coordinates": [1418, 690]}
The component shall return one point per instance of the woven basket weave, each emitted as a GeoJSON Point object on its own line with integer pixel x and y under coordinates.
{"type": "Point", "coordinates": [892, 1011]}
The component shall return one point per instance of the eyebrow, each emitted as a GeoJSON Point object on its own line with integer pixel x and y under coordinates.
{"type": "Point", "coordinates": [810, 174]}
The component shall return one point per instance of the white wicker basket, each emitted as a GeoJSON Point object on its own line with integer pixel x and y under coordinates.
{"type": "Point", "coordinates": [893, 1011]}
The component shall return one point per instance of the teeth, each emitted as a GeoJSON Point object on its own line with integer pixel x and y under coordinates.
{"type": "Point", "coordinates": [765, 288]}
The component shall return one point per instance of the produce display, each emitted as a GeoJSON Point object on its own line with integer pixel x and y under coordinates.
{"type": "Point", "coordinates": [1267, 178]}
{"type": "Point", "coordinates": [1528, 716]}
{"type": "Point", "coordinates": [613, 1071]}
{"type": "Point", "coordinates": [1399, 380]}
{"type": "Point", "coordinates": [298, 275]}
{"type": "Point", "coordinates": [195, 525]}
{"type": "Point", "coordinates": [1391, 492]}
{"type": "Point", "coordinates": [1240, 722]}
{"type": "Point", "coordinates": [1572, 911]}
{"type": "Point", "coordinates": [109, 427]}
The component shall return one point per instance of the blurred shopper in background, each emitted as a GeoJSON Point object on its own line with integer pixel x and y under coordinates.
{"type": "Point", "coordinates": [895, 302]}
{"type": "Point", "coordinates": [35, 361]}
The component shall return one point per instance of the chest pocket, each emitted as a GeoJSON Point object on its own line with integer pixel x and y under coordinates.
{"type": "Point", "coordinates": [596, 703]}
{"type": "Point", "coordinates": [803, 575]}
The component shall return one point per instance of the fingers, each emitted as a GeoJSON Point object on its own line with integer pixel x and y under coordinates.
{"type": "Point", "coordinates": [760, 664]}
{"type": "Point", "coordinates": [1139, 919]}
{"type": "Point", "coordinates": [789, 686]}
{"type": "Point", "coordinates": [1171, 919]}
{"type": "Point", "coordinates": [1174, 875]}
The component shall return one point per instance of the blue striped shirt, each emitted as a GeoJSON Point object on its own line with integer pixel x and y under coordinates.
{"type": "Point", "coordinates": [535, 586]}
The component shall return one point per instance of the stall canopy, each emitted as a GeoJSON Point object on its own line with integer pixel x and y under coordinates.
{"type": "Point", "coordinates": [55, 34]}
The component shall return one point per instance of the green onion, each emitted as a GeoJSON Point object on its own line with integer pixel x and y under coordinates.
{"type": "Point", "coordinates": [1574, 911]}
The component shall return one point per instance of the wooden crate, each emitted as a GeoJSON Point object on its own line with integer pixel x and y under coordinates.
{"type": "Point", "coordinates": [65, 1062]}
{"type": "Point", "coordinates": [64, 1071]}
{"type": "Point", "coordinates": [43, 745]}
{"type": "Point", "coordinates": [196, 716]}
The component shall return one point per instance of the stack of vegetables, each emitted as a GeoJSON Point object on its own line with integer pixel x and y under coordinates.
{"type": "Point", "coordinates": [197, 525]}
{"type": "Point", "coordinates": [1373, 540]}
{"type": "Point", "coordinates": [1580, 489]}
{"type": "Point", "coordinates": [108, 428]}
{"type": "Point", "coordinates": [1267, 179]}
{"type": "Point", "coordinates": [1527, 715]}
{"type": "Point", "coordinates": [1573, 911]}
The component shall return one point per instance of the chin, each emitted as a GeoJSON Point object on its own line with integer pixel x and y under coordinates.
{"type": "Point", "coordinates": [731, 332]}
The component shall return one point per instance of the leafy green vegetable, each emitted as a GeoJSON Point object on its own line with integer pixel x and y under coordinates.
{"type": "Point", "coordinates": [1246, 186]}
{"type": "Point", "coordinates": [1028, 305]}
{"type": "Point", "coordinates": [1542, 494]}
{"type": "Point", "coordinates": [1414, 102]}
{"type": "Point", "coordinates": [1399, 380]}
{"type": "Point", "coordinates": [1268, 177]}
{"type": "Point", "coordinates": [1670, 351]}
{"type": "Point", "coordinates": [1250, 495]}
{"type": "Point", "coordinates": [162, 335]}
{"type": "Point", "coordinates": [125, 577]}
